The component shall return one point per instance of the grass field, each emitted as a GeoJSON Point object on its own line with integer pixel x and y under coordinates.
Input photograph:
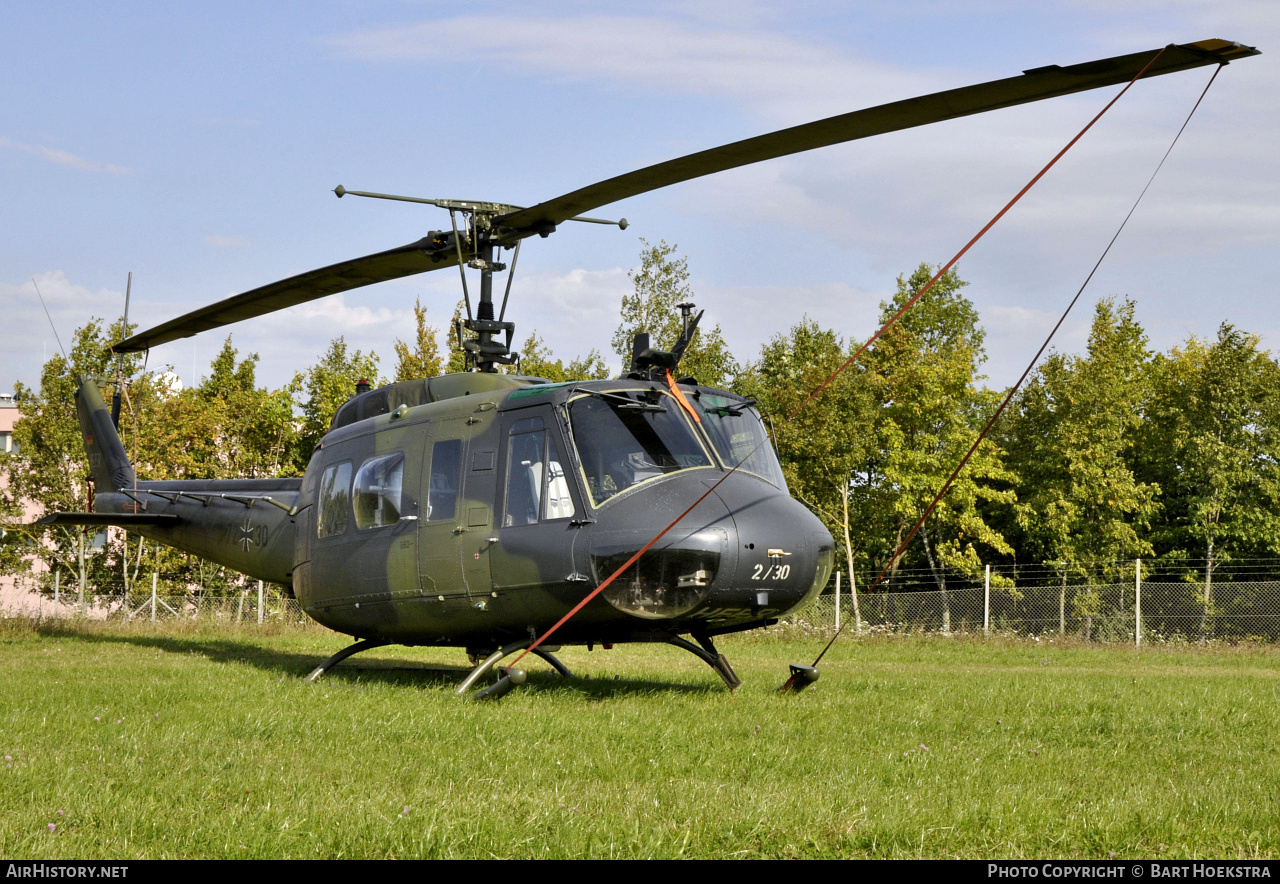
{"type": "Point", "coordinates": [135, 743]}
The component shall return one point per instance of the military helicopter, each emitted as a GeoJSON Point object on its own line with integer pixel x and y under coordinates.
{"type": "Point", "coordinates": [476, 509]}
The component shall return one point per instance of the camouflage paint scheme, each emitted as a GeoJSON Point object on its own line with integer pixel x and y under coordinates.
{"type": "Point", "coordinates": [456, 537]}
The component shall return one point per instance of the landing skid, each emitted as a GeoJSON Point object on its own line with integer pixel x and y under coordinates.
{"type": "Point", "coordinates": [351, 650]}
{"type": "Point", "coordinates": [709, 655]}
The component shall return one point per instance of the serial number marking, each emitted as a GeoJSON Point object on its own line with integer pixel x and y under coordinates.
{"type": "Point", "coordinates": [771, 572]}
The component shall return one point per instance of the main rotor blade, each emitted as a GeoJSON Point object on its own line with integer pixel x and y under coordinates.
{"type": "Point", "coordinates": [425, 255]}
{"type": "Point", "coordinates": [1033, 85]}
{"type": "Point", "coordinates": [417, 257]}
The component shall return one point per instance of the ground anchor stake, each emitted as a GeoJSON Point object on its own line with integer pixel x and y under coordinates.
{"type": "Point", "coordinates": [801, 677]}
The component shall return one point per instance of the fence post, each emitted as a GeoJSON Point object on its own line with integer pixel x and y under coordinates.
{"type": "Point", "coordinates": [154, 577]}
{"type": "Point", "coordinates": [853, 595]}
{"type": "Point", "coordinates": [260, 603]}
{"type": "Point", "coordinates": [1062, 603]}
{"type": "Point", "coordinates": [837, 601]}
{"type": "Point", "coordinates": [1137, 603]}
{"type": "Point", "coordinates": [83, 575]}
{"type": "Point", "coordinates": [986, 602]}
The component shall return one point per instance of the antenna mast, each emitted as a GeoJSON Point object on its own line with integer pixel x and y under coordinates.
{"type": "Point", "coordinates": [116, 397]}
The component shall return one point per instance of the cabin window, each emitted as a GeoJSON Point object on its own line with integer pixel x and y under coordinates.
{"type": "Point", "coordinates": [376, 494]}
{"type": "Point", "coordinates": [446, 478]}
{"type": "Point", "coordinates": [629, 437]}
{"type": "Point", "coordinates": [537, 488]}
{"type": "Point", "coordinates": [334, 502]}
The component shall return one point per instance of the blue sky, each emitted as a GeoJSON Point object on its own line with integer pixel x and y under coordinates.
{"type": "Point", "coordinates": [197, 146]}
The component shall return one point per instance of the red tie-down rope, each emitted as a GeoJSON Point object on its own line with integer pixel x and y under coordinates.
{"type": "Point", "coordinates": [916, 297]}
{"type": "Point", "coordinates": [1014, 389]}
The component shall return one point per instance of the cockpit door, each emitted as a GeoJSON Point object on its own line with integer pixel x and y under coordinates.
{"type": "Point", "coordinates": [540, 515]}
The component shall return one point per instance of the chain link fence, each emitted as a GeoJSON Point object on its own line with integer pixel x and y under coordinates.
{"type": "Point", "coordinates": [1175, 604]}
{"type": "Point", "coordinates": [249, 603]}
{"type": "Point", "coordinates": [1241, 603]}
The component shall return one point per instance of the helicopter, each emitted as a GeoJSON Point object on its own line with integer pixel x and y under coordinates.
{"type": "Point", "coordinates": [479, 509]}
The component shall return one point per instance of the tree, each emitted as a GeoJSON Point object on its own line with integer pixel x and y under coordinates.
{"type": "Point", "coordinates": [660, 284]}
{"type": "Point", "coordinates": [1211, 441]}
{"type": "Point", "coordinates": [536, 360]}
{"type": "Point", "coordinates": [423, 360]}
{"type": "Point", "coordinates": [323, 388]}
{"type": "Point", "coordinates": [50, 467]}
{"type": "Point", "coordinates": [925, 373]}
{"type": "Point", "coordinates": [1071, 439]}
{"type": "Point", "coordinates": [225, 428]}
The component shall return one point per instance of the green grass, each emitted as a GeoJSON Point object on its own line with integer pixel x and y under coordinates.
{"type": "Point", "coordinates": [140, 743]}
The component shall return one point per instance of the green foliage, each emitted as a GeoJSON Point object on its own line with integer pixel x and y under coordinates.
{"type": "Point", "coordinates": [423, 360]}
{"type": "Point", "coordinates": [924, 371]}
{"type": "Point", "coordinates": [225, 428]}
{"type": "Point", "coordinates": [660, 284]}
{"type": "Point", "coordinates": [1071, 441]}
{"type": "Point", "coordinates": [1211, 441]}
{"type": "Point", "coordinates": [323, 388]}
{"type": "Point", "coordinates": [887, 431]}
{"type": "Point", "coordinates": [536, 360]}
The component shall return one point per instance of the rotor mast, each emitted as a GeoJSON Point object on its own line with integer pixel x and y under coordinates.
{"type": "Point", "coordinates": [481, 236]}
{"type": "Point", "coordinates": [484, 351]}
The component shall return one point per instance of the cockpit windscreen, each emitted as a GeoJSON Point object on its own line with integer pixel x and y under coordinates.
{"type": "Point", "coordinates": [626, 438]}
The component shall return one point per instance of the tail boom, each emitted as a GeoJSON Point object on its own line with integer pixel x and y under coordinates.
{"type": "Point", "coordinates": [244, 524]}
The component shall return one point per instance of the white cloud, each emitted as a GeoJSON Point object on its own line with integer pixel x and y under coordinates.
{"type": "Point", "coordinates": [573, 312]}
{"type": "Point", "coordinates": [27, 340]}
{"type": "Point", "coordinates": [925, 191]}
{"type": "Point", "coordinates": [63, 158]}
{"type": "Point", "coordinates": [691, 57]}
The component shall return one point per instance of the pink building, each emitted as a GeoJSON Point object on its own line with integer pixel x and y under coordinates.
{"type": "Point", "coordinates": [14, 599]}
{"type": "Point", "coordinates": [8, 417]}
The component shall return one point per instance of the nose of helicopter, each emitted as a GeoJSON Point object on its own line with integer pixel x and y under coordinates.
{"type": "Point", "coordinates": [746, 551]}
{"type": "Point", "coordinates": [785, 553]}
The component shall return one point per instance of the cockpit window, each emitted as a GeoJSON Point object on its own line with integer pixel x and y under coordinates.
{"type": "Point", "coordinates": [626, 438]}
{"type": "Point", "coordinates": [737, 432]}
{"type": "Point", "coordinates": [334, 500]}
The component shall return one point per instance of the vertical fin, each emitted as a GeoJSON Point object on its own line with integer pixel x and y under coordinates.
{"type": "Point", "coordinates": [108, 463]}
